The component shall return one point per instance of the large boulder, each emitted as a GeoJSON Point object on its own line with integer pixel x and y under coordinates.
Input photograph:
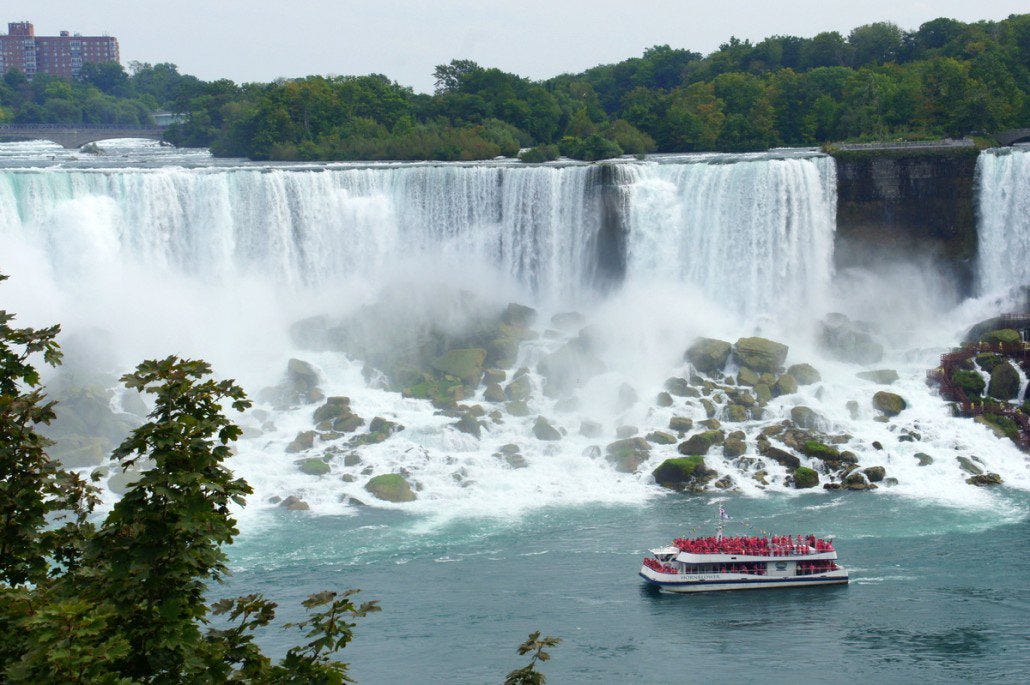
{"type": "Point", "coordinates": [785, 385]}
{"type": "Point", "coordinates": [336, 415]}
{"type": "Point", "coordinates": [681, 387]}
{"type": "Point", "coordinates": [86, 429]}
{"type": "Point", "coordinates": [708, 355]}
{"type": "Point", "coordinates": [304, 440]}
{"type": "Point", "coordinates": [465, 364]}
{"type": "Point", "coordinates": [661, 438]}
{"type": "Point", "coordinates": [781, 457]}
{"type": "Point", "coordinates": [681, 424]}
{"type": "Point", "coordinates": [805, 477]}
{"type": "Point", "coordinates": [390, 487]}
{"type": "Point", "coordinates": [805, 417]}
{"type": "Point", "coordinates": [543, 430]}
{"type": "Point", "coordinates": [875, 474]}
{"type": "Point", "coordinates": [682, 473]}
{"type": "Point", "coordinates": [804, 374]}
{"type": "Point", "coordinates": [519, 315]}
{"type": "Point", "coordinates": [313, 467]}
{"type": "Point", "coordinates": [1005, 336]}
{"type": "Point", "coordinates": [849, 341]}
{"type": "Point", "coordinates": [699, 443]}
{"type": "Point", "coordinates": [627, 455]}
{"type": "Point", "coordinates": [300, 386]}
{"type": "Point", "coordinates": [519, 389]}
{"type": "Point", "coordinates": [760, 354]}
{"type": "Point", "coordinates": [733, 447]}
{"type": "Point", "coordinates": [889, 403]}
{"type": "Point", "coordinates": [985, 479]}
{"type": "Point", "coordinates": [1004, 383]}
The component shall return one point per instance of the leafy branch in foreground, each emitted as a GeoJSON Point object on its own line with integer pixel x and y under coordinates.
{"type": "Point", "coordinates": [528, 675]}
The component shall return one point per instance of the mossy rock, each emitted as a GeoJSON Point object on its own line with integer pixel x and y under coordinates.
{"type": "Point", "coordinates": [519, 389]}
{"type": "Point", "coordinates": [305, 440]}
{"type": "Point", "coordinates": [1005, 336]}
{"type": "Point", "coordinates": [494, 393]}
{"type": "Point", "coordinates": [763, 393]}
{"type": "Point", "coordinates": [681, 424]}
{"type": "Point", "coordinates": [627, 455]}
{"type": "Point", "coordinates": [820, 450]}
{"type": "Point", "coordinates": [681, 387]}
{"type": "Point", "coordinates": [985, 479]}
{"type": "Point", "coordinates": [733, 447]}
{"type": "Point", "coordinates": [889, 403]}
{"type": "Point", "coordinates": [442, 391]}
{"type": "Point", "coordinates": [805, 477]}
{"type": "Point", "coordinates": [664, 399]}
{"type": "Point", "coordinates": [313, 467]}
{"type": "Point", "coordinates": [699, 443]}
{"type": "Point", "coordinates": [805, 417]}
{"type": "Point", "coordinates": [736, 413]}
{"type": "Point", "coordinates": [988, 360]}
{"type": "Point", "coordinates": [468, 423]}
{"type": "Point", "coordinates": [517, 408]}
{"type": "Point", "coordinates": [543, 430]}
{"type": "Point", "coordinates": [661, 438]}
{"type": "Point", "coordinates": [390, 487]}
{"type": "Point", "coordinates": [970, 381]}
{"type": "Point", "coordinates": [746, 376]}
{"type": "Point", "coordinates": [464, 364]}
{"type": "Point", "coordinates": [709, 407]}
{"type": "Point", "coordinates": [923, 458]}
{"type": "Point", "coordinates": [785, 385]}
{"type": "Point", "coordinates": [494, 376]}
{"type": "Point", "coordinates": [967, 465]}
{"type": "Point", "coordinates": [879, 376]}
{"type": "Point", "coordinates": [804, 374]}
{"type": "Point", "coordinates": [708, 355]}
{"type": "Point", "coordinates": [1004, 383]}
{"type": "Point", "coordinates": [760, 354]}
{"type": "Point", "coordinates": [519, 315]}
{"type": "Point", "coordinates": [875, 474]}
{"type": "Point", "coordinates": [681, 473]}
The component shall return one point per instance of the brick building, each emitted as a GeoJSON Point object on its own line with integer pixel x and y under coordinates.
{"type": "Point", "coordinates": [61, 55]}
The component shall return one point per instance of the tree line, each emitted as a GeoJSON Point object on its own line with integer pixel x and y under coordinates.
{"type": "Point", "coordinates": [946, 78]}
{"type": "Point", "coordinates": [122, 599]}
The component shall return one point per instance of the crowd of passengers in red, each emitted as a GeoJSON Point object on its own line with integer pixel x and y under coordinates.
{"type": "Point", "coordinates": [804, 568]}
{"type": "Point", "coordinates": [775, 546]}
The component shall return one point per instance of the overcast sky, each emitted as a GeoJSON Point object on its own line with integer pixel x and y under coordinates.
{"type": "Point", "coordinates": [259, 40]}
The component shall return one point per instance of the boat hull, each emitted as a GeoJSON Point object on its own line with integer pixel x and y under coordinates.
{"type": "Point", "coordinates": [684, 586]}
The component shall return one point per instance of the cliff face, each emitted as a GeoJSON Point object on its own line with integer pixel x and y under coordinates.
{"type": "Point", "coordinates": [900, 202]}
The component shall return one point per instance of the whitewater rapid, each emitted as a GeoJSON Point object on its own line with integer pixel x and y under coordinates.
{"type": "Point", "coordinates": [217, 262]}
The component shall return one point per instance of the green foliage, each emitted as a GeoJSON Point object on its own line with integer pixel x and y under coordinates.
{"type": "Point", "coordinates": [970, 381]}
{"type": "Point", "coordinates": [589, 149]}
{"type": "Point", "coordinates": [528, 675]}
{"type": "Point", "coordinates": [540, 153]}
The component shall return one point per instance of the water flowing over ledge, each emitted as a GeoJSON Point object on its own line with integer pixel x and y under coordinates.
{"type": "Point", "coordinates": [1004, 218]}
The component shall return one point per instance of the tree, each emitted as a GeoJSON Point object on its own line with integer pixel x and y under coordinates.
{"type": "Point", "coordinates": [875, 43]}
{"type": "Point", "coordinates": [450, 77]}
{"type": "Point", "coordinates": [528, 675]}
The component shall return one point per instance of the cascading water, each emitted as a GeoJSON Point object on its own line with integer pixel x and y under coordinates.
{"type": "Point", "coordinates": [755, 236]}
{"type": "Point", "coordinates": [219, 261]}
{"type": "Point", "coordinates": [1003, 177]}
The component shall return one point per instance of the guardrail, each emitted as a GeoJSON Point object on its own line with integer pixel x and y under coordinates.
{"type": "Point", "coordinates": [78, 127]}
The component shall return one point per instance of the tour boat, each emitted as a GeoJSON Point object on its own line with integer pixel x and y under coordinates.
{"type": "Point", "coordinates": [708, 564]}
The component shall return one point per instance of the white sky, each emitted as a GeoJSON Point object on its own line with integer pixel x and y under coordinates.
{"type": "Point", "coordinates": [259, 40]}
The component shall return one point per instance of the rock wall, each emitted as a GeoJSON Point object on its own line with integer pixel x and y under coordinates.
{"type": "Point", "coordinates": [899, 202]}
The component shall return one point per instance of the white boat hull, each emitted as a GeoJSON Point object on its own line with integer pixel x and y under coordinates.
{"type": "Point", "coordinates": [671, 582]}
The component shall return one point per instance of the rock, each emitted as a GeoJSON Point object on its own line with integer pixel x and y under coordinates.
{"type": "Point", "coordinates": [968, 466]}
{"type": "Point", "coordinates": [682, 473]}
{"type": "Point", "coordinates": [680, 387]}
{"type": "Point", "coordinates": [699, 443]}
{"type": "Point", "coordinates": [627, 455]}
{"type": "Point", "coordinates": [804, 374]}
{"type": "Point", "coordinates": [763, 393]}
{"type": "Point", "coordinates": [877, 445]}
{"type": "Point", "coordinates": [890, 482]}
{"type": "Point", "coordinates": [661, 438]}
{"type": "Point", "coordinates": [1005, 336]}
{"type": "Point", "coordinates": [519, 315]}
{"type": "Point", "coordinates": [590, 429]}
{"type": "Point", "coordinates": [567, 321]}
{"type": "Point", "coordinates": [819, 450]}
{"type": "Point", "coordinates": [517, 408]}
{"type": "Point", "coordinates": [626, 431]}
{"type": "Point", "coordinates": [746, 376]}
{"type": "Point", "coordinates": [336, 415]}
{"type": "Point", "coordinates": [923, 458]}
{"type": "Point", "coordinates": [724, 483]}
{"type": "Point", "coordinates": [711, 424]}
{"type": "Point", "coordinates": [805, 477]}
{"type": "Point", "coordinates": [875, 474]}
{"type": "Point", "coordinates": [664, 399]}
{"type": "Point", "coordinates": [889, 403]}
{"type": "Point", "coordinates": [464, 364]}
{"type": "Point", "coordinates": [760, 354]}
{"type": "Point", "coordinates": [857, 481]}
{"type": "Point", "coordinates": [468, 424]}
{"type": "Point", "coordinates": [543, 430]}
{"type": "Point", "coordinates": [785, 385]}
{"type": "Point", "coordinates": [352, 459]}
{"type": "Point", "coordinates": [988, 360]}
{"type": "Point", "coordinates": [313, 467]}
{"type": "Point", "coordinates": [497, 376]}
{"type": "Point", "coordinates": [568, 368]}
{"type": "Point", "coordinates": [805, 417]}
{"type": "Point", "coordinates": [390, 487]}
{"type": "Point", "coordinates": [985, 479]}
{"type": "Point", "coordinates": [305, 440]}
{"type": "Point", "coordinates": [494, 393]}
{"type": "Point", "coordinates": [742, 397]}
{"type": "Point", "coordinates": [970, 381]}
{"type": "Point", "coordinates": [781, 457]}
{"type": "Point", "coordinates": [849, 341]}
{"type": "Point", "coordinates": [880, 376]}
{"type": "Point", "coordinates": [733, 447]}
{"type": "Point", "coordinates": [299, 387]}
{"type": "Point", "coordinates": [708, 355]}
{"type": "Point", "coordinates": [736, 413]}
{"type": "Point", "coordinates": [515, 461]}
{"type": "Point", "coordinates": [627, 397]}
{"type": "Point", "coordinates": [294, 503]}
{"type": "Point", "coordinates": [853, 409]}
{"type": "Point", "coordinates": [379, 429]}
{"type": "Point", "coordinates": [681, 424]}
{"type": "Point", "coordinates": [519, 389]}
{"type": "Point", "coordinates": [1004, 383]}
{"type": "Point", "coordinates": [709, 407]}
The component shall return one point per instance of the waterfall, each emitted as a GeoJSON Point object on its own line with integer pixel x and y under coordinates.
{"type": "Point", "coordinates": [1003, 260]}
{"type": "Point", "coordinates": [754, 236]}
